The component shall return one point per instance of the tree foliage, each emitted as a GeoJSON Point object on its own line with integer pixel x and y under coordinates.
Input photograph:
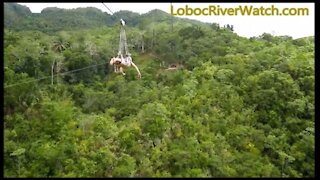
{"type": "Point", "coordinates": [238, 107]}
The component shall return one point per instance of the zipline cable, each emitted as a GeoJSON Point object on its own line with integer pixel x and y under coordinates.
{"type": "Point", "coordinates": [109, 10]}
{"type": "Point", "coordinates": [72, 71]}
{"type": "Point", "coordinates": [123, 47]}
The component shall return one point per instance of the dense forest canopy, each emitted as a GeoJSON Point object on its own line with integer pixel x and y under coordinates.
{"type": "Point", "coordinates": [237, 107]}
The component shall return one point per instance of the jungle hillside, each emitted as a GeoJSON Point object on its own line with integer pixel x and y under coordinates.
{"type": "Point", "coordinates": [209, 104]}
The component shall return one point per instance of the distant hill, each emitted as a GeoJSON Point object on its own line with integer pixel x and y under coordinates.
{"type": "Point", "coordinates": [18, 17]}
{"type": "Point", "coordinates": [14, 14]}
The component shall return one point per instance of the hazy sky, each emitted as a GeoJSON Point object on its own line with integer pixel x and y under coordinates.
{"type": "Point", "coordinates": [247, 26]}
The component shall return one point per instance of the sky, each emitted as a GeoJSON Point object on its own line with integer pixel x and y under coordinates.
{"type": "Point", "coordinates": [244, 25]}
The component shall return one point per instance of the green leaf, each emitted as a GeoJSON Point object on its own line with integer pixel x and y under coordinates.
{"type": "Point", "coordinates": [18, 152]}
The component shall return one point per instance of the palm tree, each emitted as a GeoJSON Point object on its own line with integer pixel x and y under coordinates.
{"type": "Point", "coordinates": [60, 45]}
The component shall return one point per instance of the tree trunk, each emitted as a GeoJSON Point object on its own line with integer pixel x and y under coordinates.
{"type": "Point", "coordinates": [52, 72]}
{"type": "Point", "coordinates": [142, 45]}
{"type": "Point", "coordinates": [153, 41]}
